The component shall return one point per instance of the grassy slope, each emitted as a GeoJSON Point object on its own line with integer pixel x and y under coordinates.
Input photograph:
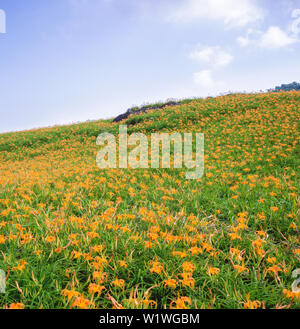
{"type": "Point", "coordinates": [229, 240]}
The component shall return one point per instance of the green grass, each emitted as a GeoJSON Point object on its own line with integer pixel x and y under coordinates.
{"type": "Point", "coordinates": [56, 204]}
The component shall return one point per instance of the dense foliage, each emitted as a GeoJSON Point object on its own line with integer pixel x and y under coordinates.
{"type": "Point", "coordinates": [287, 87]}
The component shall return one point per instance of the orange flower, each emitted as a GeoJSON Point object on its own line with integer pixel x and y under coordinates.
{"type": "Point", "coordinates": [179, 253]}
{"type": "Point", "coordinates": [213, 271]}
{"type": "Point", "coordinates": [148, 244]}
{"type": "Point", "coordinates": [187, 280]}
{"type": "Point", "coordinates": [195, 250]}
{"type": "Point", "coordinates": [271, 260]}
{"type": "Point", "coordinates": [81, 302]}
{"type": "Point", "coordinates": [2, 239]}
{"type": "Point", "coordinates": [171, 283]}
{"type": "Point", "coordinates": [157, 267]}
{"type": "Point", "coordinates": [274, 269]}
{"type": "Point", "coordinates": [16, 306]}
{"type": "Point", "coordinates": [240, 268]}
{"type": "Point", "coordinates": [20, 266]}
{"type": "Point", "coordinates": [234, 236]}
{"type": "Point", "coordinates": [118, 283]}
{"type": "Point", "coordinates": [99, 276]}
{"type": "Point", "coordinates": [181, 303]}
{"type": "Point", "coordinates": [50, 239]}
{"type": "Point", "coordinates": [188, 267]}
{"type": "Point", "coordinates": [95, 288]}
{"type": "Point", "coordinates": [70, 293]}
{"type": "Point", "coordinates": [123, 263]}
{"type": "Point", "coordinates": [291, 294]}
{"type": "Point", "coordinates": [252, 305]}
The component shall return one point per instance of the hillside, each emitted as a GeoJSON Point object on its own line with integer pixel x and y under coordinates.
{"type": "Point", "coordinates": [72, 235]}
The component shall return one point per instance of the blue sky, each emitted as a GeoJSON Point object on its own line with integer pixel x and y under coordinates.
{"type": "Point", "coordinates": [64, 61]}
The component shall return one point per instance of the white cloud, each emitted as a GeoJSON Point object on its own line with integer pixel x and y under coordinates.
{"type": "Point", "coordinates": [273, 38]}
{"type": "Point", "coordinates": [251, 38]}
{"type": "Point", "coordinates": [204, 78]}
{"type": "Point", "coordinates": [214, 56]}
{"type": "Point", "coordinates": [243, 41]}
{"type": "Point", "coordinates": [276, 38]}
{"type": "Point", "coordinates": [234, 13]}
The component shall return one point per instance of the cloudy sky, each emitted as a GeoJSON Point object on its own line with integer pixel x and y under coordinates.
{"type": "Point", "coordinates": [64, 61]}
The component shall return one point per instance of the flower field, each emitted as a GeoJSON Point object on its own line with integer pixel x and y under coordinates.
{"type": "Point", "coordinates": [75, 236]}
